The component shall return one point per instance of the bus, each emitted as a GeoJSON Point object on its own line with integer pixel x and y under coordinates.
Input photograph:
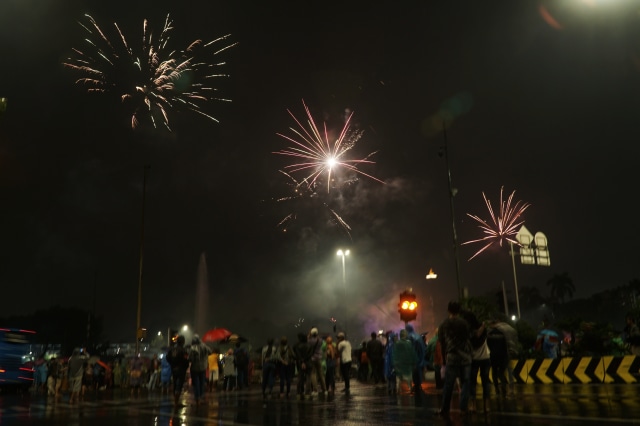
{"type": "Point", "coordinates": [16, 357]}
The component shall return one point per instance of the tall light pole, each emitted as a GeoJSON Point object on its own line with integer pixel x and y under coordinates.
{"type": "Point", "coordinates": [344, 254]}
{"type": "Point", "coordinates": [445, 152]}
{"type": "Point", "coordinates": [138, 328]}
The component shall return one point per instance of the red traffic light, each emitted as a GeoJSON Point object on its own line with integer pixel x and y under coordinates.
{"type": "Point", "coordinates": [408, 306]}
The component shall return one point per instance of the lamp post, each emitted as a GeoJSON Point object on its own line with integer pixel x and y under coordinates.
{"type": "Point", "coordinates": [445, 151]}
{"type": "Point", "coordinates": [343, 254]}
{"type": "Point", "coordinates": [138, 328]}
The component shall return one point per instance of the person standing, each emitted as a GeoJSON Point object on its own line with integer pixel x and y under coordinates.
{"type": "Point", "coordinates": [363, 363]}
{"type": "Point", "coordinates": [344, 354]}
{"type": "Point", "coordinates": [375, 353]}
{"type": "Point", "coordinates": [214, 369]}
{"type": "Point", "coordinates": [199, 359]}
{"type": "Point", "coordinates": [502, 340]}
{"type": "Point", "coordinates": [54, 381]}
{"type": "Point", "coordinates": [548, 341]}
{"type": "Point", "coordinates": [41, 375]}
{"type": "Point", "coordinates": [420, 347]}
{"type": "Point", "coordinates": [178, 358]}
{"type": "Point", "coordinates": [331, 359]}
{"type": "Point", "coordinates": [389, 370]}
{"type": "Point", "coordinates": [155, 373]}
{"type": "Point", "coordinates": [230, 371]}
{"type": "Point", "coordinates": [269, 359]}
{"type": "Point", "coordinates": [165, 376]}
{"type": "Point", "coordinates": [632, 335]}
{"type": "Point", "coordinates": [456, 349]}
{"type": "Point", "coordinates": [317, 376]}
{"type": "Point", "coordinates": [302, 352]}
{"type": "Point", "coordinates": [241, 357]}
{"type": "Point", "coordinates": [117, 373]}
{"type": "Point", "coordinates": [77, 363]}
{"type": "Point", "coordinates": [480, 362]}
{"type": "Point", "coordinates": [136, 377]}
{"type": "Point", "coordinates": [285, 365]}
{"type": "Point", "coordinates": [404, 360]}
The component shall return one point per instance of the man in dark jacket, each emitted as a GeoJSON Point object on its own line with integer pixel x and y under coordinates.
{"type": "Point", "coordinates": [302, 353]}
{"type": "Point", "coordinates": [375, 351]}
{"type": "Point", "coordinates": [199, 359]}
{"type": "Point", "coordinates": [178, 358]}
{"type": "Point", "coordinates": [456, 348]}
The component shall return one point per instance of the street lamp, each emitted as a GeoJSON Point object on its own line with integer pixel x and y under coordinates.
{"type": "Point", "coordinates": [138, 326]}
{"type": "Point", "coordinates": [343, 254]}
{"type": "Point", "coordinates": [452, 192]}
{"type": "Point", "coordinates": [431, 275]}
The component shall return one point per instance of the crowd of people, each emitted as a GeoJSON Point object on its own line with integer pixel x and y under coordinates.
{"type": "Point", "coordinates": [465, 349]}
{"type": "Point", "coordinates": [461, 350]}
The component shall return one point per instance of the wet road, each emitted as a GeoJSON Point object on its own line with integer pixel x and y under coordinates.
{"type": "Point", "coordinates": [368, 404]}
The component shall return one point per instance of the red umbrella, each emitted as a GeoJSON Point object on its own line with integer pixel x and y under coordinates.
{"type": "Point", "coordinates": [216, 335]}
{"type": "Point", "coordinates": [104, 365]}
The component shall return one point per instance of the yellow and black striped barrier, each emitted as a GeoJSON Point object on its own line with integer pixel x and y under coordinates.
{"type": "Point", "coordinates": [606, 369]}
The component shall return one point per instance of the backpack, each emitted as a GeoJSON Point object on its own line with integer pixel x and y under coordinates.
{"type": "Point", "coordinates": [420, 348]}
{"type": "Point", "coordinates": [286, 355]}
{"type": "Point", "coordinates": [194, 356]}
{"type": "Point", "coordinates": [497, 343]}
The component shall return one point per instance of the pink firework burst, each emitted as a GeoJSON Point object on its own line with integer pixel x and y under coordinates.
{"type": "Point", "coordinates": [317, 153]}
{"type": "Point", "coordinates": [504, 226]}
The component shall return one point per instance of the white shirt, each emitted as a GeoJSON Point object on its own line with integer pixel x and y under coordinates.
{"type": "Point", "coordinates": [482, 352]}
{"type": "Point", "coordinates": [344, 349]}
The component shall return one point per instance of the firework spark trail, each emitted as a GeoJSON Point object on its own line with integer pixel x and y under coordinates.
{"type": "Point", "coordinates": [504, 226]}
{"type": "Point", "coordinates": [151, 78]}
{"type": "Point", "coordinates": [313, 150]}
{"type": "Point", "coordinates": [302, 192]}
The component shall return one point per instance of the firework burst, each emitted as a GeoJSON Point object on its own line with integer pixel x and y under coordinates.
{"type": "Point", "coordinates": [326, 168]}
{"type": "Point", "coordinates": [315, 154]}
{"type": "Point", "coordinates": [152, 80]}
{"type": "Point", "coordinates": [504, 226]}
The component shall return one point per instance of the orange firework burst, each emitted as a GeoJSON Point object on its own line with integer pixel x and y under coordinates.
{"type": "Point", "coordinates": [504, 226]}
{"type": "Point", "coordinates": [153, 80]}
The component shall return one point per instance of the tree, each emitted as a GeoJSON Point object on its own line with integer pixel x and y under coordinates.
{"type": "Point", "coordinates": [561, 286]}
{"type": "Point", "coordinates": [482, 308]}
{"type": "Point", "coordinates": [530, 297]}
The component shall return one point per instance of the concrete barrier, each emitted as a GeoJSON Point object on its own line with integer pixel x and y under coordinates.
{"type": "Point", "coordinates": [606, 369]}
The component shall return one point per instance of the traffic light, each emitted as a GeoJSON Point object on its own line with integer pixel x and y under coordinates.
{"type": "Point", "coordinates": [408, 307]}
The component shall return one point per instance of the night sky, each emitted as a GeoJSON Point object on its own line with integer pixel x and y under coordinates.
{"type": "Point", "coordinates": [538, 97]}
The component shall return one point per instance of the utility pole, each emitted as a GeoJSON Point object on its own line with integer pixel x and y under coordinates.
{"type": "Point", "coordinates": [138, 327]}
{"type": "Point", "coordinates": [453, 215]}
